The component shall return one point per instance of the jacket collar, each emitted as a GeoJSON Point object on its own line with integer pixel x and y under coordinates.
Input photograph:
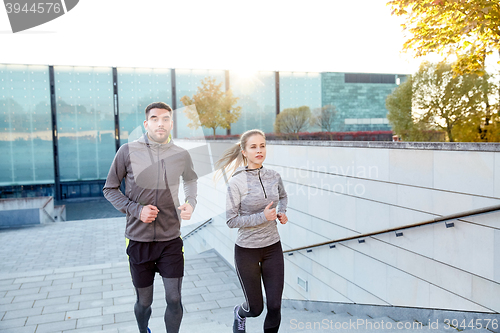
{"type": "Point", "coordinates": [246, 169]}
{"type": "Point", "coordinates": [144, 139]}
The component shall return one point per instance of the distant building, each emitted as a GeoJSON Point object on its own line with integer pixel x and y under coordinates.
{"type": "Point", "coordinates": [359, 99]}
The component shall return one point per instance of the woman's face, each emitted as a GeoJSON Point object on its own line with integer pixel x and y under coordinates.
{"type": "Point", "coordinates": [255, 151]}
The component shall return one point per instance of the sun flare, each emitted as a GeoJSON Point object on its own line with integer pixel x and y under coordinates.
{"type": "Point", "coordinates": [245, 73]}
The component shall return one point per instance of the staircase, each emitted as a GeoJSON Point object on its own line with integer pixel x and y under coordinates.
{"type": "Point", "coordinates": [304, 321]}
{"type": "Point", "coordinates": [299, 316]}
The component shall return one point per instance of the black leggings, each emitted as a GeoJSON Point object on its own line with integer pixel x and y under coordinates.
{"type": "Point", "coordinates": [252, 264]}
{"type": "Point", "coordinates": [173, 312]}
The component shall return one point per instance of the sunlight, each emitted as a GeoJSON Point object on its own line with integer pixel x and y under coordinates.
{"type": "Point", "coordinates": [246, 80]}
{"type": "Point", "coordinates": [244, 73]}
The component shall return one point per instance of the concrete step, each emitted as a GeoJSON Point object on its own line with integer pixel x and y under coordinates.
{"type": "Point", "coordinates": [191, 325]}
{"type": "Point", "coordinates": [293, 320]}
{"type": "Point", "coordinates": [203, 327]}
{"type": "Point", "coordinates": [303, 321]}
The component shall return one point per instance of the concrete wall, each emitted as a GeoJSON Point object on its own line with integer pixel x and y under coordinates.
{"type": "Point", "coordinates": [24, 211]}
{"type": "Point", "coordinates": [343, 189]}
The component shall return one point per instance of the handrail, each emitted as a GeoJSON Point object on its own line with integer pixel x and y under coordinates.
{"type": "Point", "coordinates": [435, 220]}
{"type": "Point", "coordinates": [210, 220]}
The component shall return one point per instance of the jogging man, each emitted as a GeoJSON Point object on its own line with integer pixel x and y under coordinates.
{"type": "Point", "coordinates": [152, 167]}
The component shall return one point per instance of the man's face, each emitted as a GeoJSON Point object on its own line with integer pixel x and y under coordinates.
{"type": "Point", "coordinates": [158, 125]}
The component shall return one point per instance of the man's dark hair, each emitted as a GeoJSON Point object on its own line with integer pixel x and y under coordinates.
{"type": "Point", "coordinates": [158, 105]}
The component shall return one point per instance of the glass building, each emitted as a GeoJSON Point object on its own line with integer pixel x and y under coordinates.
{"type": "Point", "coordinates": [61, 125]}
{"type": "Point", "coordinates": [257, 98]}
{"type": "Point", "coordinates": [137, 87]}
{"type": "Point", "coordinates": [187, 83]}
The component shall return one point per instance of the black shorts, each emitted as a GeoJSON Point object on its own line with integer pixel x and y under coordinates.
{"type": "Point", "coordinates": [147, 258]}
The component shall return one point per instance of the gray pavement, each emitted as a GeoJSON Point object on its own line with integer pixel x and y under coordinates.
{"type": "Point", "coordinates": [74, 277]}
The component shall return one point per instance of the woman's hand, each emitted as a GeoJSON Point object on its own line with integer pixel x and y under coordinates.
{"type": "Point", "coordinates": [282, 218]}
{"type": "Point", "coordinates": [186, 211]}
{"type": "Point", "coordinates": [270, 213]}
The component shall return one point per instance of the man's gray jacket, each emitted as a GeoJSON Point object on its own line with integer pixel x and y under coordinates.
{"type": "Point", "coordinates": [152, 173]}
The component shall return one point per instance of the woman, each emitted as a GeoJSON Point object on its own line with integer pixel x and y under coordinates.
{"type": "Point", "coordinates": [253, 194]}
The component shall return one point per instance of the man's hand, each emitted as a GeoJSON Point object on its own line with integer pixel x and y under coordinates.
{"type": "Point", "coordinates": [282, 218]}
{"type": "Point", "coordinates": [186, 211]}
{"type": "Point", "coordinates": [149, 213]}
{"type": "Point", "coordinates": [270, 213]}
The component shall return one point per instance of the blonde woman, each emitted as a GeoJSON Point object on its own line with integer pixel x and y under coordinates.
{"type": "Point", "coordinates": [255, 198]}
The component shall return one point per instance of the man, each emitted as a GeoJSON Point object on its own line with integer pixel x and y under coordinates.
{"type": "Point", "coordinates": [152, 167]}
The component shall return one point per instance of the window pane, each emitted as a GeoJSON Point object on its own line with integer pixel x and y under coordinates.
{"type": "Point", "coordinates": [137, 88]}
{"type": "Point", "coordinates": [257, 97]}
{"type": "Point", "coordinates": [369, 78]}
{"type": "Point", "coordinates": [187, 82]}
{"type": "Point", "coordinates": [26, 127]}
{"type": "Point", "coordinates": [85, 120]}
{"type": "Point", "coordinates": [298, 89]}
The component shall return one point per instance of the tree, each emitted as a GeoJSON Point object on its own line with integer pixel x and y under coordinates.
{"type": "Point", "coordinates": [213, 107]}
{"type": "Point", "coordinates": [484, 124]}
{"type": "Point", "coordinates": [398, 103]}
{"type": "Point", "coordinates": [324, 117]}
{"type": "Point", "coordinates": [292, 120]}
{"type": "Point", "coordinates": [452, 104]}
{"type": "Point", "coordinates": [469, 29]}
{"type": "Point", "coordinates": [405, 124]}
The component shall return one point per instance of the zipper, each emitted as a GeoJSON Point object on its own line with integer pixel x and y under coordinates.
{"type": "Point", "coordinates": [156, 195]}
{"type": "Point", "coordinates": [263, 189]}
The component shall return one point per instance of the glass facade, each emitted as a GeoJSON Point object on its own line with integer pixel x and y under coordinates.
{"type": "Point", "coordinates": [85, 122]}
{"type": "Point", "coordinates": [257, 97]}
{"type": "Point", "coordinates": [26, 126]}
{"type": "Point", "coordinates": [187, 82]}
{"type": "Point", "coordinates": [298, 89]}
{"type": "Point", "coordinates": [137, 88]}
{"type": "Point", "coordinates": [85, 114]}
{"type": "Point", "coordinates": [359, 100]}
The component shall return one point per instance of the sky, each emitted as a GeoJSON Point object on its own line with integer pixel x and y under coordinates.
{"type": "Point", "coordinates": [299, 36]}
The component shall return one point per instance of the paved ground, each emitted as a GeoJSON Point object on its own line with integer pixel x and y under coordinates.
{"type": "Point", "coordinates": [73, 277]}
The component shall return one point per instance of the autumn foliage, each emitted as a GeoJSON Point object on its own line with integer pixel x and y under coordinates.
{"type": "Point", "coordinates": [467, 29]}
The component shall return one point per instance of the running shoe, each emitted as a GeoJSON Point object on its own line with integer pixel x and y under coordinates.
{"type": "Point", "coordinates": [239, 323]}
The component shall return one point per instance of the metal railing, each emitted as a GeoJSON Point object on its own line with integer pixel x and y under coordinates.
{"type": "Point", "coordinates": [203, 225]}
{"type": "Point", "coordinates": [398, 230]}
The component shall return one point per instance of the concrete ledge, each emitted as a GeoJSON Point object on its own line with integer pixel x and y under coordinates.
{"type": "Point", "coordinates": [452, 146]}
{"type": "Point", "coordinates": [26, 211]}
{"type": "Point", "coordinates": [19, 217]}
{"type": "Point", "coordinates": [62, 270]}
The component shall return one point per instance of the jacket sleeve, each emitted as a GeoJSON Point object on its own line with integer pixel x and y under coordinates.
{"type": "Point", "coordinates": [283, 202]}
{"type": "Point", "coordinates": [111, 189]}
{"type": "Point", "coordinates": [233, 203]}
{"type": "Point", "coordinates": [190, 181]}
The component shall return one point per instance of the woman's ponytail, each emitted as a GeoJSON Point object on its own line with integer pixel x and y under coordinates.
{"type": "Point", "coordinates": [232, 158]}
